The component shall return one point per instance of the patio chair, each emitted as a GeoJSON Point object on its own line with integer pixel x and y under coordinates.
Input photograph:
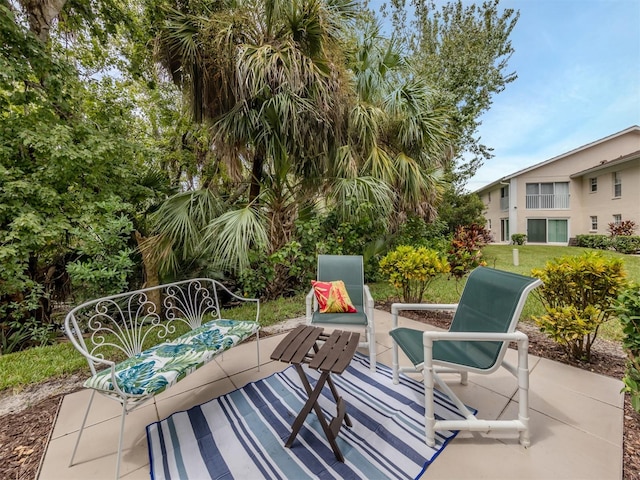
{"type": "Point", "coordinates": [484, 323]}
{"type": "Point", "coordinates": [349, 269]}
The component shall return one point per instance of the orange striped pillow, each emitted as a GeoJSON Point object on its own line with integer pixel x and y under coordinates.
{"type": "Point", "coordinates": [333, 297]}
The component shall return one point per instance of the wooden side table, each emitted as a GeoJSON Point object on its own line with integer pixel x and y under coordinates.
{"type": "Point", "coordinates": [328, 354]}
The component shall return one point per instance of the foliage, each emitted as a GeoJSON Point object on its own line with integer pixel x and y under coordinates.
{"type": "Point", "coordinates": [518, 238]}
{"type": "Point", "coordinates": [627, 309]}
{"type": "Point", "coordinates": [602, 242]}
{"type": "Point", "coordinates": [465, 252]}
{"type": "Point", "coordinates": [412, 270]}
{"type": "Point", "coordinates": [458, 209]}
{"type": "Point", "coordinates": [417, 232]}
{"type": "Point", "coordinates": [462, 49]}
{"type": "Point", "coordinates": [104, 259]}
{"type": "Point", "coordinates": [624, 228]}
{"type": "Point", "coordinates": [577, 295]}
{"type": "Point", "coordinates": [67, 146]}
{"type": "Point", "coordinates": [290, 268]}
{"type": "Point", "coordinates": [626, 244]}
{"type": "Point", "coordinates": [280, 274]}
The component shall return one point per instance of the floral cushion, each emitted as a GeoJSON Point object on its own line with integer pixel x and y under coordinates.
{"type": "Point", "coordinates": [159, 367]}
{"type": "Point", "coordinates": [333, 297]}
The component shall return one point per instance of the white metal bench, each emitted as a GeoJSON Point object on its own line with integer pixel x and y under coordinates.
{"type": "Point", "coordinates": [142, 325]}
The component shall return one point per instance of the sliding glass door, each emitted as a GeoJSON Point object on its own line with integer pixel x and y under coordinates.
{"type": "Point", "coordinates": [547, 230]}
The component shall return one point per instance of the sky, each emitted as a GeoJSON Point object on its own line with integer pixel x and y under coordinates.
{"type": "Point", "coordinates": [578, 67]}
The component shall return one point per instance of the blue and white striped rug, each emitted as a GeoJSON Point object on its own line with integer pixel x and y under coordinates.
{"type": "Point", "coordinates": [241, 435]}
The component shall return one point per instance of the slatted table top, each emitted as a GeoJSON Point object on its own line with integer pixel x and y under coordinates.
{"type": "Point", "coordinates": [334, 355]}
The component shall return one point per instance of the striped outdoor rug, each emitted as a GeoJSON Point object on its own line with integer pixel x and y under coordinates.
{"type": "Point", "coordinates": [241, 435]}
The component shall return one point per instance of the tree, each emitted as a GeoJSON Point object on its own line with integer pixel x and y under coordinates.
{"type": "Point", "coordinates": [463, 51]}
{"type": "Point", "coordinates": [398, 126]}
{"type": "Point", "coordinates": [314, 132]}
{"type": "Point", "coordinates": [460, 208]}
{"type": "Point", "coordinates": [68, 161]}
{"type": "Point", "coordinates": [270, 78]}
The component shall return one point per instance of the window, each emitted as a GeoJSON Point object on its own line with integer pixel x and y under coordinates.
{"type": "Point", "coordinates": [547, 195]}
{"type": "Point", "coordinates": [617, 219]}
{"type": "Point", "coordinates": [489, 195]}
{"type": "Point", "coordinates": [594, 223]}
{"type": "Point", "coordinates": [504, 198]}
{"type": "Point", "coordinates": [594, 184]}
{"type": "Point", "coordinates": [489, 224]}
{"type": "Point", "coordinates": [617, 185]}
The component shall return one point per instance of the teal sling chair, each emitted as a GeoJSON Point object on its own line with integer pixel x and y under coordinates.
{"type": "Point", "coordinates": [484, 323]}
{"type": "Point", "coordinates": [349, 269]}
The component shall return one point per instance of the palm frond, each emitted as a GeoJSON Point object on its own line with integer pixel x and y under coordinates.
{"type": "Point", "coordinates": [182, 218]}
{"type": "Point", "coordinates": [351, 195]}
{"type": "Point", "coordinates": [231, 236]}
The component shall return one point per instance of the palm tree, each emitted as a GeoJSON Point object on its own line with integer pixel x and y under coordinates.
{"type": "Point", "coordinates": [297, 121]}
{"type": "Point", "coordinates": [398, 126]}
{"type": "Point", "coordinates": [269, 77]}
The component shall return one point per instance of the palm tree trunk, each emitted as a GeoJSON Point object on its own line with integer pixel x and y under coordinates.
{"type": "Point", "coordinates": [151, 270]}
{"type": "Point", "coordinates": [256, 175]}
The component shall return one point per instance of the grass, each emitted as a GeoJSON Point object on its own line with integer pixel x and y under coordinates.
{"type": "Point", "coordinates": [36, 365]}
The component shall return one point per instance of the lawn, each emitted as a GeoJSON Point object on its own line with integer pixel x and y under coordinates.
{"type": "Point", "coordinates": [39, 364]}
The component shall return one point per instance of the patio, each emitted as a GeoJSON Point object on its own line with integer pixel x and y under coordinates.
{"type": "Point", "coordinates": [576, 420]}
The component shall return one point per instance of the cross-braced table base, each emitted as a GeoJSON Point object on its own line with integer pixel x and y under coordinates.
{"type": "Point", "coordinates": [301, 346]}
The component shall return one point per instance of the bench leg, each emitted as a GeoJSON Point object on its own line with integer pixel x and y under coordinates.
{"type": "Point", "coordinates": [84, 421]}
{"type": "Point", "coordinates": [124, 414]}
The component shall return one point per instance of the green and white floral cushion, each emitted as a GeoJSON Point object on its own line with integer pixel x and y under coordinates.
{"type": "Point", "coordinates": [159, 367]}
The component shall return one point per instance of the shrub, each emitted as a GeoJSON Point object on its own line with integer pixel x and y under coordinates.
{"type": "Point", "coordinates": [464, 252]}
{"type": "Point", "coordinates": [577, 295]}
{"type": "Point", "coordinates": [518, 238]}
{"type": "Point", "coordinates": [627, 309]}
{"type": "Point", "coordinates": [417, 232]}
{"type": "Point", "coordinates": [411, 269]}
{"type": "Point", "coordinates": [626, 244]}
{"type": "Point", "coordinates": [601, 242]}
{"type": "Point", "coordinates": [624, 228]}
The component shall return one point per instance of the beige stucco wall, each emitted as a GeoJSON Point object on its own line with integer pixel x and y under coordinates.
{"type": "Point", "coordinates": [582, 203]}
{"type": "Point", "coordinates": [603, 204]}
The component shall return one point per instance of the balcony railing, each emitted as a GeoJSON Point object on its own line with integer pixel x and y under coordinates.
{"type": "Point", "coordinates": [504, 203]}
{"type": "Point", "coordinates": [547, 201]}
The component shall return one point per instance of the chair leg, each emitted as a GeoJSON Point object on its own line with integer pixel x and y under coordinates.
{"type": "Point", "coordinates": [523, 391]}
{"type": "Point", "coordinates": [429, 404]}
{"type": "Point", "coordinates": [395, 364]}
{"type": "Point", "coordinates": [372, 347]}
{"type": "Point", "coordinates": [258, 348]}
{"type": "Point", "coordinates": [84, 421]}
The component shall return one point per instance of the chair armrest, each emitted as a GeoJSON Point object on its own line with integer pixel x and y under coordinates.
{"type": "Point", "coordinates": [517, 336]}
{"type": "Point", "coordinates": [398, 307]}
{"type": "Point", "coordinates": [369, 305]}
{"type": "Point", "coordinates": [311, 303]}
{"type": "Point", "coordinates": [430, 336]}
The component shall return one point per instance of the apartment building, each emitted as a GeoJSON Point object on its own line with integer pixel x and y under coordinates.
{"type": "Point", "coordinates": [578, 192]}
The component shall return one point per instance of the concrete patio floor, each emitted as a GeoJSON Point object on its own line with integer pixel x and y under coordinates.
{"type": "Point", "coordinates": [576, 420]}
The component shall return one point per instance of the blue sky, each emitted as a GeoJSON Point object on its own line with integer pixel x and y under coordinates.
{"type": "Point", "coordinates": [578, 67]}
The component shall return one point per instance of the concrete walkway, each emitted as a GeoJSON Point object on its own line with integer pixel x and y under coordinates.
{"type": "Point", "coordinates": [576, 420]}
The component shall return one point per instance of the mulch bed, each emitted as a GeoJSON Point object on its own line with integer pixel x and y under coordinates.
{"type": "Point", "coordinates": [24, 434]}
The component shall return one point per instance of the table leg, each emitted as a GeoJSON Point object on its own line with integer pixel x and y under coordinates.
{"type": "Point", "coordinates": [337, 398]}
{"type": "Point", "coordinates": [312, 403]}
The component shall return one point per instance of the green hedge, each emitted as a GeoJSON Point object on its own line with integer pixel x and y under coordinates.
{"type": "Point", "coordinates": [620, 243]}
